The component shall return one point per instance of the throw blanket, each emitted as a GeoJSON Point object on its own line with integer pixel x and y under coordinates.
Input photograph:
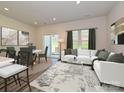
{"type": "Point", "coordinates": [64, 77]}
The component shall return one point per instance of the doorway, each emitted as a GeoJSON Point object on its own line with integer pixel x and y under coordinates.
{"type": "Point", "coordinates": [53, 46]}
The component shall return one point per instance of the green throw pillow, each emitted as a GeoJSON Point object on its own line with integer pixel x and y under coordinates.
{"type": "Point", "coordinates": [70, 51]}
{"type": "Point", "coordinates": [74, 52]}
{"type": "Point", "coordinates": [98, 51]}
{"type": "Point", "coordinates": [67, 51]}
{"type": "Point", "coordinates": [103, 55]}
{"type": "Point", "coordinates": [116, 58]}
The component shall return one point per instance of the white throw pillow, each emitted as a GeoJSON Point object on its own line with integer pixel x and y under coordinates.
{"type": "Point", "coordinates": [93, 52]}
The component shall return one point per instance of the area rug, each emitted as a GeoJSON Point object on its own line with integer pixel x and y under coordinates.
{"type": "Point", "coordinates": [64, 77]}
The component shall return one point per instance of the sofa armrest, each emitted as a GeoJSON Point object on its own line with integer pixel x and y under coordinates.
{"type": "Point", "coordinates": [110, 72]}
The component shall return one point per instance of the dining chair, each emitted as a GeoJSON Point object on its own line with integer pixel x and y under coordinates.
{"type": "Point", "coordinates": [43, 54]}
{"type": "Point", "coordinates": [10, 48]}
{"type": "Point", "coordinates": [23, 58]}
{"type": "Point", "coordinates": [11, 54]}
{"type": "Point", "coordinates": [32, 57]}
{"type": "Point", "coordinates": [3, 52]}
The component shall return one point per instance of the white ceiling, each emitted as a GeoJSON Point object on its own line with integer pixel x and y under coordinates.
{"type": "Point", "coordinates": [43, 11]}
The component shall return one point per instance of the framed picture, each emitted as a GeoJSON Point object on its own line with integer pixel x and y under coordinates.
{"type": "Point", "coordinates": [8, 36]}
{"type": "Point", "coordinates": [23, 38]}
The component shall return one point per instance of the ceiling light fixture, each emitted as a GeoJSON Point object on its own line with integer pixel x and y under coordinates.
{"type": "Point", "coordinates": [77, 2]}
{"type": "Point", "coordinates": [35, 23]}
{"type": "Point", "coordinates": [6, 9]}
{"type": "Point", "coordinates": [54, 19]}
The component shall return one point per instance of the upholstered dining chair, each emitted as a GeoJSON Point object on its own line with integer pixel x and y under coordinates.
{"type": "Point", "coordinates": [33, 54]}
{"type": "Point", "coordinates": [11, 54]}
{"type": "Point", "coordinates": [32, 57]}
{"type": "Point", "coordinates": [3, 52]}
{"type": "Point", "coordinates": [23, 58]}
{"type": "Point", "coordinates": [43, 54]}
{"type": "Point", "coordinates": [10, 48]}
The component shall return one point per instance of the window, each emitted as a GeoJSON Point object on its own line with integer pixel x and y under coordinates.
{"type": "Point", "coordinates": [75, 39]}
{"type": "Point", "coordinates": [80, 39]}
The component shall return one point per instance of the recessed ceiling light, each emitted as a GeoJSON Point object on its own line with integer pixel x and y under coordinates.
{"type": "Point", "coordinates": [77, 2]}
{"type": "Point", "coordinates": [54, 19]}
{"type": "Point", "coordinates": [6, 9]}
{"type": "Point", "coordinates": [35, 23]}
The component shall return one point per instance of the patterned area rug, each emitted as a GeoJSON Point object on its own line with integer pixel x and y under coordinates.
{"type": "Point", "coordinates": [64, 77]}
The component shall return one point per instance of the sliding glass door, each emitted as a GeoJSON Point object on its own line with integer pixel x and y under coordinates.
{"type": "Point", "coordinates": [47, 42]}
{"type": "Point", "coordinates": [52, 42]}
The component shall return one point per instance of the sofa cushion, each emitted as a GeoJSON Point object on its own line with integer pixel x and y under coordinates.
{"type": "Point", "coordinates": [98, 51]}
{"type": "Point", "coordinates": [84, 59]}
{"type": "Point", "coordinates": [68, 58]}
{"type": "Point", "coordinates": [83, 52]}
{"type": "Point", "coordinates": [103, 55]}
{"type": "Point", "coordinates": [116, 58]}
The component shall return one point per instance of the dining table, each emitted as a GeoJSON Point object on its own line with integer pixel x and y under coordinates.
{"type": "Point", "coordinates": [37, 51]}
{"type": "Point", "coordinates": [5, 61]}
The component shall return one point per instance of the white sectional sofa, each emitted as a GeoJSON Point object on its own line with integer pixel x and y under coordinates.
{"type": "Point", "coordinates": [107, 72]}
{"type": "Point", "coordinates": [83, 56]}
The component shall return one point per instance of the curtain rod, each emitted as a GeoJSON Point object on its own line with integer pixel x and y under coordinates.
{"type": "Point", "coordinates": [82, 29]}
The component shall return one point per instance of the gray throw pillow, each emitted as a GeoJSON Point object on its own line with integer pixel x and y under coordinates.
{"type": "Point", "coordinates": [67, 51]}
{"type": "Point", "coordinates": [103, 55]}
{"type": "Point", "coordinates": [116, 58]}
{"type": "Point", "coordinates": [98, 51]}
{"type": "Point", "coordinates": [74, 52]}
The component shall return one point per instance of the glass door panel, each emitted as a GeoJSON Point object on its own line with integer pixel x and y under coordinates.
{"type": "Point", "coordinates": [47, 42]}
{"type": "Point", "coordinates": [54, 44]}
